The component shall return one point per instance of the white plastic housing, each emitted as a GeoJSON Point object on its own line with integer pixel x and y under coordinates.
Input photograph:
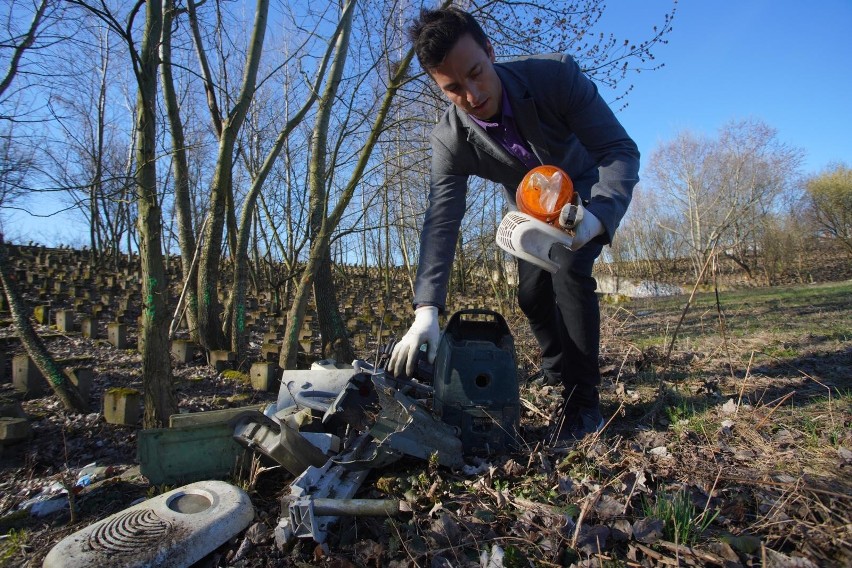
{"type": "Point", "coordinates": [527, 238]}
{"type": "Point", "coordinates": [172, 530]}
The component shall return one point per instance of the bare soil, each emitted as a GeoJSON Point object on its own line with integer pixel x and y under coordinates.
{"type": "Point", "coordinates": [730, 447]}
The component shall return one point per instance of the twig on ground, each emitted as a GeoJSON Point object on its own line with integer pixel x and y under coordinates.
{"type": "Point", "coordinates": [590, 501]}
{"type": "Point", "coordinates": [774, 408]}
{"type": "Point", "coordinates": [784, 485]}
{"type": "Point", "coordinates": [687, 551]}
{"type": "Point", "coordinates": [745, 379]}
{"type": "Point", "coordinates": [532, 408]}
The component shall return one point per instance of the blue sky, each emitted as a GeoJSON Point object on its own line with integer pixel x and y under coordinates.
{"type": "Point", "coordinates": [787, 63]}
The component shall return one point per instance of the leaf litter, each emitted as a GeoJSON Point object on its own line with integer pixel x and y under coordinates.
{"type": "Point", "coordinates": [759, 443]}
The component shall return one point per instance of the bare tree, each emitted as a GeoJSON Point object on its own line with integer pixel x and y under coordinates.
{"type": "Point", "coordinates": [238, 336]}
{"type": "Point", "coordinates": [16, 162]}
{"type": "Point", "coordinates": [160, 399]}
{"type": "Point", "coordinates": [760, 171]}
{"type": "Point", "coordinates": [722, 190]}
{"type": "Point", "coordinates": [830, 195]}
{"type": "Point", "coordinates": [17, 42]}
{"type": "Point", "coordinates": [325, 216]}
{"type": "Point", "coordinates": [24, 30]}
{"type": "Point", "coordinates": [211, 333]}
{"type": "Point", "coordinates": [180, 166]}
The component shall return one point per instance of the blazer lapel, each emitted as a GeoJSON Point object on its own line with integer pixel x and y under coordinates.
{"type": "Point", "coordinates": [479, 138]}
{"type": "Point", "coordinates": [526, 118]}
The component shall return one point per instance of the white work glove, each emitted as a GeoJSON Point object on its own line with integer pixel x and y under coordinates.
{"type": "Point", "coordinates": [403, 359]}
{"type": "Point", "coordinates": [580, 222]}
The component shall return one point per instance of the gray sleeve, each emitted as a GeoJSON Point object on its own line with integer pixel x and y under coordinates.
{"type": "Point", "coordinates": [612, 150]}
{"type": "Point", "coordinates": [440, 227]}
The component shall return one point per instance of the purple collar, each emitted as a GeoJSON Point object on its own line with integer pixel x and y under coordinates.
{"type": "Point", "coordinates": [505, 112]}
{"type": "Point", "coordinates": [505, 132]}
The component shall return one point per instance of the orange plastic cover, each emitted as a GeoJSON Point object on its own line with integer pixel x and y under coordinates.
{"type": "Point", "coordinates": [543, 192]}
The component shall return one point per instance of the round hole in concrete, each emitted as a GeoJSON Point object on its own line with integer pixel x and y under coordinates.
{"type": "Point", "coordinates": [189, 503]}
{"type": "Point", "coordinates": [482, 381]}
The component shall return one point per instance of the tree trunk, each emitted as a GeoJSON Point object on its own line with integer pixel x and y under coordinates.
{"type": "Point", "coordinates": [62, 387]}
{"type": "Point", "coordinates": [210, 330]}
{"type": "Point", "coordinates": [183, 203]}
{"type": "Point", "coordinates": [332, 328]}
{"type": "Point", "coordinates": [320, 241]}
{"type": "Point", "coordinates": [335, 337]}
{"type": "Point", "coordinates": [160, 399]}
{"type": "Point", "coordinates": [237, 309]}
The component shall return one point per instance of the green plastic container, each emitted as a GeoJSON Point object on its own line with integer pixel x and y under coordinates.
{"type": "Point", "coordinates": [476, 381]}
{"type": "Point", "coordinates": [190, 453]}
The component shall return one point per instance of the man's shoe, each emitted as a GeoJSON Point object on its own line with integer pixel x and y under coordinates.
{"type": "Point", "coordinates": [573, 423]}
{"type": "Point", "coordinates": [542, 379]}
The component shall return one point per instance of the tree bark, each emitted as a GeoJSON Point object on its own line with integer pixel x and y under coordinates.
{"type": "Point", "coordinates": [332, 327]}
{"type": "Point", "coordinates": [160, 399]}
{"type": "Point", "coordinates": [335, 337]}
{"type": "Point", "coordinates": [320, 243]}
{"type": "Point", "coordinates": [183, 204]}
{"type": "Point", "coordinates": [210, 330]}
{"type": "Point", "coordinates": [238, 335]}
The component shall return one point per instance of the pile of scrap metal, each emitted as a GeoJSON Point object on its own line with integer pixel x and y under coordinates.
{"type": "Point", "coordinates": [330, 426]}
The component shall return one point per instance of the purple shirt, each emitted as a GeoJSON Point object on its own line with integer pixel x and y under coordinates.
{"type": "Point", "coordinates": [506, 134]}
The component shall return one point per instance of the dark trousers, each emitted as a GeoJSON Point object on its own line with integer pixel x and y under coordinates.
{"type": "Point", "coordinates": [565, 318]}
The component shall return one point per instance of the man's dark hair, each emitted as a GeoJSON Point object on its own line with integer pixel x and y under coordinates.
{"type": "Point", "coordinates": [435, 32]}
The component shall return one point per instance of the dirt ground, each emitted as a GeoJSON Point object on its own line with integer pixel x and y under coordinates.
{"type": "Point", "coordinates": [730, 447]}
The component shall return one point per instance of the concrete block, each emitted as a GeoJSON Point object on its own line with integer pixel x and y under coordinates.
{"type": "Point", "coordinates": [26, 377]}
{"type": "Point", "coordinates": [122, 406]}
{"type": "Point", "coordinates": [183, 351]}
{"type": "Point", "coordinates": [12, 409]}
{"type": "Point", "coordinates": [89, 328]}
{"type": "Point", "coordinates": [117, 334]}
{"type": "Point", "coordinates": [222, 416]}
{"type": "Point", "coordinates": [270, 351]}
{"type": "Point", "coordinates": [82, 378]}
{"type": "Point", "coordinates": [14, 430]}
{"type": "Point", "coordinates": [64, 320]}
{"type": "Point", "coordinates": [264, 376]}
{"type": "Point", "coordinates": [271, 337]}
{"type": "Point", "coordinates": [42, 314]}
{"type": "Point", "coordinates": [221, 359]}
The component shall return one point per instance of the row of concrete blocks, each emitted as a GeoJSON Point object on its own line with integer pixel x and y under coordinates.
{"type": "Point", "coordinates": [28, 379]}
{"type": "Point", "coordinates": [121, 406]}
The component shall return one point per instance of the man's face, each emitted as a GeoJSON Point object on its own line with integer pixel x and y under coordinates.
{"type": "Point", "coordinates": [467, 78]}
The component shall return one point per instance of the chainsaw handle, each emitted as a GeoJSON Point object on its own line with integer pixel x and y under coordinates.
{"type": "Point", "coordinates": [455, 319]}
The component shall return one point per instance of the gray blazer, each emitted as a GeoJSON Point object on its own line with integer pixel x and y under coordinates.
{"type": "Point", "coordinates": [567, 124]}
